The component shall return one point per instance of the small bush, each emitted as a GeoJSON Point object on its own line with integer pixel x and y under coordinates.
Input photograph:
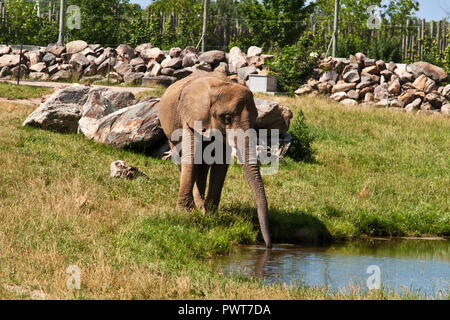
{"type": "Point", "coordinates": [302, 139]}
{"type": "Point", "coordinates": [294, 64]}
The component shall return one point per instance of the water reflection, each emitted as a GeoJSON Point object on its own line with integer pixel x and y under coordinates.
{"type": "Point", "coordinates": [419, 265]}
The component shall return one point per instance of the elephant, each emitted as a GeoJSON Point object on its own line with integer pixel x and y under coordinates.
{"type": "Point", "coordinates": [220, 104]}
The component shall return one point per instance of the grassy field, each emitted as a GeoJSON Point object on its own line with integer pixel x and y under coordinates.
{"type": "Point", "coordinates": [11, 91]}
{"type": "Point", "coordinates": [376, 173]}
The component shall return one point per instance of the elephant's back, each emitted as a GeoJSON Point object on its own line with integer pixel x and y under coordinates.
{"type": "Point", "coordinates": [168, 107]}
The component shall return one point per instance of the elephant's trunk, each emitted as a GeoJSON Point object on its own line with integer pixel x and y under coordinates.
{"type": "Point", "coordinates": [253, 176]}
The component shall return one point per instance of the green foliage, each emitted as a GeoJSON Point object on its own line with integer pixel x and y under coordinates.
{"type": "Point", "coordinates": [141, 32]}
{"type": "Point", "coordinates": [349, 44]}
{"type": "Point", "coordinates": [302, 139]}
{"type": "Point", "coordinates": [386, 49]}
{"type": "Point", "coordinates": [446, 61]}
{"type": "Point", "coordinates": [22, 22]}
{"type": "Point", "coordinates": [432, 53]}
{"type": "Point", "coordinates": [293, 64]}
{"type": "Point", "coordinates": [263, 20]}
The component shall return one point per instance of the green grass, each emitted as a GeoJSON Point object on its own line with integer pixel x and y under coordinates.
{"type": "Point", "coordinates": [12, 91]}
{"type": "Point", "coordinates": [375, 173]}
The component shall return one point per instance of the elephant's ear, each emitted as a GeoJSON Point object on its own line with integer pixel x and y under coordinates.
{"type": "Point", "coordinates": [195, 104]}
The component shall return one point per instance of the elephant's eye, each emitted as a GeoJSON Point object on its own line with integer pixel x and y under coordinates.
{"type": "Point", "coordinates": [226, 118]}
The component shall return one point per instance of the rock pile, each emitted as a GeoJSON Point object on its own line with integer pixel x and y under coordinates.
{"type": "Point", "coordinates": [145, 64]}
{"type": "Point", "coordinates": [116, 118]}
{"type": "Point", "coordinates": [359, 80]}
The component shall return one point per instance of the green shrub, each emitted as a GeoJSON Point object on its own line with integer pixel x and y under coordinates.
{"type": "Point", "coordinates": [446, 61]}
{"type": "Point", "coordinates": [294, 64]}
{"type": "Point", "coordinates": [302, 139]}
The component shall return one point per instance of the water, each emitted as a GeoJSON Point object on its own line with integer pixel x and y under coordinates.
{"type": "Point", "coordinates": [422, 266]}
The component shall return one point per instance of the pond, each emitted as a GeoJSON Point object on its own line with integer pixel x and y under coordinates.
{"type": "Point", "coordinates": [422, 266]}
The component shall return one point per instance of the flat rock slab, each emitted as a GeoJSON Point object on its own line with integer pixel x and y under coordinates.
{"type": "Point", "coordinates": [136, 127]}
{"type": "Point", "coordinates": [62, 111]}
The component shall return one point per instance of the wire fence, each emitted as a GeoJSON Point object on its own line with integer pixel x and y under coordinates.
{"type": "Point", "coordinates": [417, 37]}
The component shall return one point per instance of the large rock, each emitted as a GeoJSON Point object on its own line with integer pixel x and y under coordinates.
{"type": "Point", "coordinates": [142, 47]}
{"type": "Point", "coordinates": [34, 56]}
{"type": "Point", "coordinates": [420, 82]}
{"type": "Point", "coordinates": [352, 76]}
{"type": "Point", "coordinates": [100, 103]}
{"type": "Point", "coordinates": [49, 59]}
{"type": "Point", "coordinates": [434, 72]}
{"type": "Point", "coordinates": [124, 51]}
{"type": "Point", "coordinates": [254, 51]}
{"type": "Point", "coordinates": [166, 81]}
{"type": "Point", "coordinates": [338, 96]}
{"type": "Point", "coordinates": [381, 92]}
{"type": "Point", "coordinates": [107, 66]}
{"type": "Point", "coordinates": [434, 99]}
{"type": "Point", "coordinates": [123, 68]}
{"type": "Point", "coordinates": [137, 61]}
{"type": "Point", "coordinates": [189, 60]}
{"type": "Point", "coordinates": [329, 76]}
{"type": "Point", "coordinates": [304, 89]}
{"type": "Point", "coordinates": [175, 52]}
{"type": "Point", "coordinates": [76, 46]}
{"type": "Point", "coordinates": [136, 127]}
{"type": "Point", "coordinates": [96, 107]}
{"type": "Point", "coordinates": [62, 75]}
{"type": "Point", "coordinates": [236, 59]}
{"type": "Point", "coordinates": [155, 70]}
{"type": "Point", "coordinates": [153, 54]}
{"type": "Point", "coordinates": [342, 86]}
{"type": "Point", "coordinates": [183, 73]}
{"type": "Point", "coordinates": [39, 67]}
{"type": "Point", "coordinates": [272, 115]}
{"type": "Point", "coordinates": [5, 49]}
{"type": "Point", "coordinates": [212, 57]}
{"type": "Point", "coordinates": [173, 63]}
{"type": "Point", "coordinates": [414, 105]}
{"type": "Point", "coordinates": [243, 73]}
{"type": "Point", "coordinates": [445, 109]}
{"type": "Point", "coordinates": [349, 102]}
{"type": "Point", "coordinates": [56, 50]}
{"type": "Point", "coordinates": [79, 62]}
{"type": "Point", "coordinates": [404, 76]}
{"type": "Point", "coordinates": [42, 76]}
{"type": "Point", "coordinates": [446, 92]}
{"type": "Point", "coordinates": [9, 60]}
{"type": "Point", "coordinates": [394, 88]}
{"type": "Point", "coordinates": [62, 111]}
{"type": "Point", "coordinates": [408, 96]}
{"type": "Point", "coordinates": [133, 77]}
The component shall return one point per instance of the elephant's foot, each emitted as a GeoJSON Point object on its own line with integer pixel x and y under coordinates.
{"type": "Point", "coordinates": [185, 204]}
{"type": "Point", "coordinates": [211, 207]}
{"type": "Point", "coordinates": [199, 202]}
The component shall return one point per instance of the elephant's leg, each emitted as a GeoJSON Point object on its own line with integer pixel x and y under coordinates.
{"type": "Point", "coordinates": [188, 174]}
{"type": "Point", "coordinates": [216, 181]}
{"type": "Point", "coordinates": [185, 194]}
{"type": "Point", "coordinates": [200, 186]}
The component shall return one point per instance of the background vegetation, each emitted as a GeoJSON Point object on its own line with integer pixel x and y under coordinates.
{"type": "Point", "coordinates": [271, 24]}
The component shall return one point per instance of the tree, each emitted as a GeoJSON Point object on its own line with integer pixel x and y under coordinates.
{"type": "Point", "coordinates": [275, 22]}
{"type": "Point", "coordinates": [22, 22]}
